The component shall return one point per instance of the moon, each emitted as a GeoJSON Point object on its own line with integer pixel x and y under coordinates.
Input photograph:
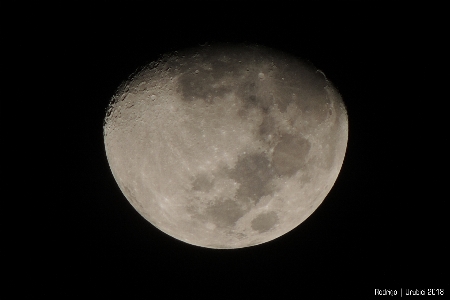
{"type": "Point", "coordinates": [226, 146]}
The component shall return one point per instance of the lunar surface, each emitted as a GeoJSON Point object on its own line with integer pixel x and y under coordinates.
{"type": "Point", "coordinates": [226, 146]}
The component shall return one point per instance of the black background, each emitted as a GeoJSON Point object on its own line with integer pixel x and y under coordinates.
{"type": "Point", "coordinates": [381, 226]}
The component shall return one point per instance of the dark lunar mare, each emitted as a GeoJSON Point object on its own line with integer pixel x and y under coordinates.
{"type": "Point", "coordinates": [254, 174]}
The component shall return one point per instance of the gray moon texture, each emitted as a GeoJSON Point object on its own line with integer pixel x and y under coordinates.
{"type": "Point", "coordinates": [226, 146]}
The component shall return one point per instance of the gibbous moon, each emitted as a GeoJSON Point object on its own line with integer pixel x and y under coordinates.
{"type": "Point", "coordinates": [226, 146]}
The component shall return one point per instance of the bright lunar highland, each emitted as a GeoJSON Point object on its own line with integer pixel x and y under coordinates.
{"type": "Point", "coordinates": [226, 146]}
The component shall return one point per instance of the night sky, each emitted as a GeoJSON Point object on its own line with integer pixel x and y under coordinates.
{"type": "Point", "coordinates": [382, 224]}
